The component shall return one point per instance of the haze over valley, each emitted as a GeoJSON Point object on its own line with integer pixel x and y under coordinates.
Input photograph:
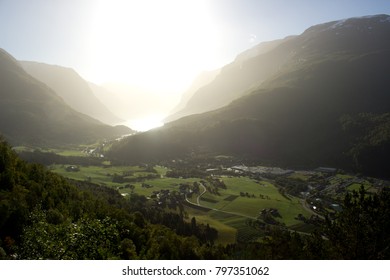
{"type": "Point", "coordinates": [194, 130]}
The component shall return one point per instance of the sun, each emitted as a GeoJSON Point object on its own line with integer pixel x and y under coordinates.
{"type": "Point", "coordinates": [160, 45]}
{"type": "Point", "coordinates": [146, 123]}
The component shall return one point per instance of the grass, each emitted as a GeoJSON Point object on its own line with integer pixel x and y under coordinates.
{"type": "Point", "coordinates": [226, 234]}
{"type": "Point", "coordinates": [232, 208]}
{"type": "Point", "coordinates": [77, 151]}
{"type": "Point", "coordinates": [309, 228]}
{"type": "Point", "coordinates": [69, 153]}
{"type": "Point", "coordinates": [356, 187]}
{"type": "Point", "coordinates": [344, 176]}
{"type": "Point", "coordinates": [209, 200]}
{"type": "Point", "coordinates": [22, 149]}
{"type": "Point", "coordinates": [171, 184]}
{"type": "Point", "coordinates": [299, 176]}
{"type": "Point", "coordinates": [236, 205]}
{"type": "Point", "coordinates": [251, 206]}
{"type": "Point", "coordinates": [162, 170]}
{"type": "Point", "coordinates": [340, 178]}
{"type": "Point", "coordinates": [231, 198]}
{"type": "Point", "coordinates": [98, 174]}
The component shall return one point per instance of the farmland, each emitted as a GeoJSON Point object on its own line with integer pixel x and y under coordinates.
{"type": "Point", "coordinates": [242, 199]}
{"type": "Point", "coordinates": [239, 202]}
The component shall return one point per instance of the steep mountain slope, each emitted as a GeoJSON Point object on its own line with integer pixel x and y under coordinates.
{"type": "Point", "coordinates": [202, 80]}
{"type": "Point", "coordinates": [106, 97]}
{"type": "Point", "coordinates": [305, 114]}
{"type": "Point", "coordinates": [32, 113]}
{"type": "Point", "coordinates": [72, 88]}
{"type": "Point", "coordinates": [236, 79]}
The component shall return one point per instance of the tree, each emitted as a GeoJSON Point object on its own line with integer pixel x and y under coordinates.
{"type": "Point", "coordinates": [193, 224]}
{"type": "Point", "coordinates": [362, 229]}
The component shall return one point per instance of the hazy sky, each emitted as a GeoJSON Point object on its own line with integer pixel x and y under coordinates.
{"type": "Point", "coordinates": [160, 45]}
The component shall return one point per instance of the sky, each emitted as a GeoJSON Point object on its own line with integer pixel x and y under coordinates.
{"type": "Point", "coordinates": [158, 45]}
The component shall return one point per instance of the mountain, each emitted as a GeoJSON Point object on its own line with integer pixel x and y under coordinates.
{"type": "Point", "coordinates": [32, 113]}
{"type": "Point", "coordinates": [202, 80]}
{"type": "Point", "coordinates": [132, 102]}
{"type": "Point", "coordinates": [109, 99]}
{"type": "Point", "coordinates": [74, 90]}
{"type": "Point", "coordinates": [45, 216]}
{"type": "Point", "coordinates": [327, 104]}
{"type": "Point", "coordinates": [236, 79]}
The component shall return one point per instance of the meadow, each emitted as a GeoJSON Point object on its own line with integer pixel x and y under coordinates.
{"type": "Point", "coordinates": [230, 209]}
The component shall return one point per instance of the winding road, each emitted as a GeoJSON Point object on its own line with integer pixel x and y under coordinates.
{"type": "Point", "coordinates": [308, 208]}
{"type": "Point", "coordinates": [198, 198]}
{"type": "Point", "coordinates": [234, 213]}
{"type": "Point", "coordinates": [215, 209]}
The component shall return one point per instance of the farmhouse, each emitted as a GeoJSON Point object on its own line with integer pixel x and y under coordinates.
{"type": "Point", "coordinates": [262, 170]}
{"type": "Point", "coordinates": [270, 170]}
{"type": "Point", "coordinates": [327, 170]}
{"type": "Point", "coordinates": [336, 207]}
{"type": "Point", "coordinates": [72, 168]}
{"type": "Point", "coordinates": [212, 169]}
{"type": "Point", "coordinates": [240, 168]}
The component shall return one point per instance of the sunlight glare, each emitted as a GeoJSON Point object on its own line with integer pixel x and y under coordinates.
{"type": "Point", "coordinates": [145, 124]}
{"type": "Point", "coordinates": [161, 44]}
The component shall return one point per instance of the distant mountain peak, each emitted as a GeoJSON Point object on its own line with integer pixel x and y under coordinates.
{"type": "Point", "coordinates": [72, 88]}
{"type": "Point", "coordinates": [319, 98]}
{"type": "Point", "coordinates": [31, 113]}
{"type": "Point", "coordinates": [357, 23]}
{"type": "Point", "coordinates": [365, 20]}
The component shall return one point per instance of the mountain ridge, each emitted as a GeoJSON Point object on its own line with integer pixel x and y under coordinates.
{"type": "Point", "coordinates": [74, 90]}
{"type": "Point", "coordinates": [32, 113]}
{"type": "Point", "coordinates": [200, 81]}
{"type": "Point", "coordinates": [235, 79]}
{"type": "Point", "coordinates": [296, 116]}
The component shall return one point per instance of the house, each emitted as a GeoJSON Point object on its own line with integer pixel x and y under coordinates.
{"type": "Point", "coordinates": [327, 170]}
{"type": "Point", "coordinates": [72, 168]}
{"type": "Point", "coordinates": [336, 207]}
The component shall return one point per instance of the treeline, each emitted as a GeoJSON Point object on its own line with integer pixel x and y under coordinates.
{"type": "Point", "coordinates": [369, 138]}
{"type": "Point", "coordinates": [48, 158]}
{"type": "Point", "coordinates": [44, 216]}
{"type": "Point", "coordinates": [357, 143]}
{"type": "Point", "coordinates": [191, 172]}
{"type": "Point", "coordinates": [361, 231]}
{"type": "Point", "coordinates": [291, 186]}
{"type": "Point", "coordinates": [174, 221]}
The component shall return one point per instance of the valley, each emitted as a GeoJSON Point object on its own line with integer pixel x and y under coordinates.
{"type": "Point", "coordinates": [239, 201]}
{"type": "Point", "coordinates": [280, 154]}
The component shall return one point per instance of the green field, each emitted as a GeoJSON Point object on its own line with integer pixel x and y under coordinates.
{"type": "Point", "coordinates": [226, 233]}
{"type": "Point", "coordinates": [251, 206]}
{"type": "Point", "coordinates": [100, 174]}
{"type": "Point", "coordinates": [356, 187]}
{"type": "Point", "coordinates": [78, 151]}
{"type": "Point", "coordinates": [242, 200]}
{"type": "Point", "coordinates": [171, 184]}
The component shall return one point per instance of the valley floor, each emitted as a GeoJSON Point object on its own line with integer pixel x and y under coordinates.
{"type": "Point", "coordinates": [238, 201]}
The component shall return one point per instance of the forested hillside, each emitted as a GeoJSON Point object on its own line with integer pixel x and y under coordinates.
{"type": "Point", "coordinates": [31, 113]}
{"type": "Point", "coordinates": [297, 117]}
{"type": "Point", "coordinates": [238, 78]}
{"type": "Point", "coordinates": [73, 89]}
{"type": "Point", "coordinates": [44, 216]}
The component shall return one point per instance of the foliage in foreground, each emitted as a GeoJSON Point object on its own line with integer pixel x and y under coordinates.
{"type": "Point", "coordinates": [43, 216]}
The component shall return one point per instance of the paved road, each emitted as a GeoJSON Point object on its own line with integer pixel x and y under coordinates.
{"type": "Point", "coordinates": [218, 210]}
{"type": "Point", "coordinates": [239, 214]}
{"type": "Point", "coordinates": [204, 191]}
{"type": "Point", "coordinates": [308, 208]}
